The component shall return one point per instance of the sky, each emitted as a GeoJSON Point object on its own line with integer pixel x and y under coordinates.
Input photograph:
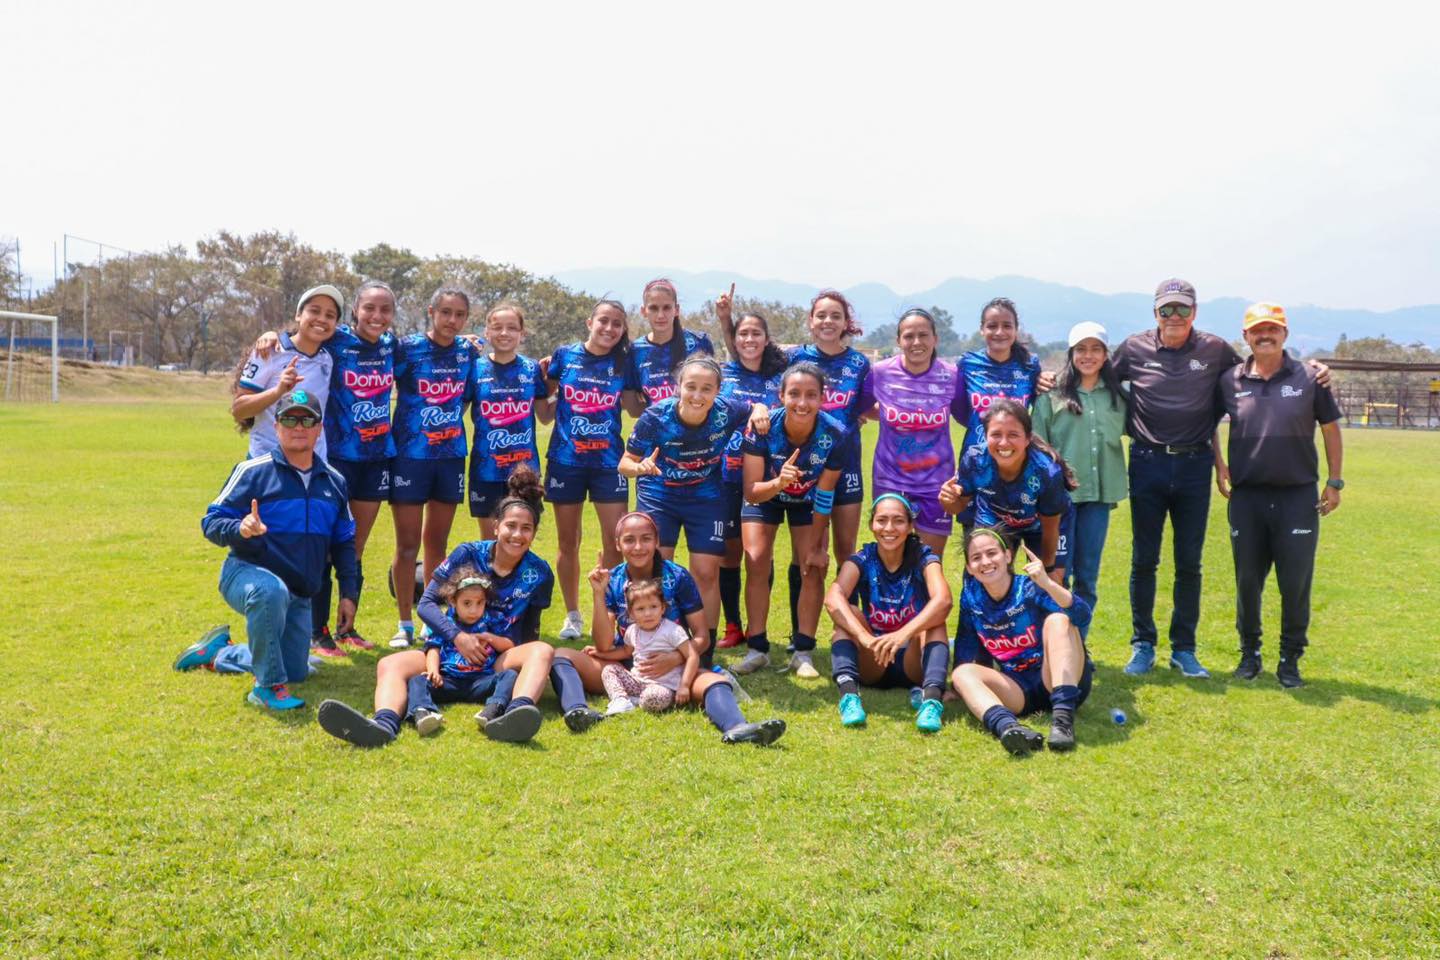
{"type": "Point", "coordinates": [1277, 151]}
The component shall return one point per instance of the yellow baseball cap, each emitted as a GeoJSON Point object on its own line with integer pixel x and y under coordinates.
{"type": "Point", "coordinates": [1258, 313]}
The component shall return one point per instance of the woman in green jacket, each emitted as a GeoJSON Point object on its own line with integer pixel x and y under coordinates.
{"type": "Point", "coordinates": [1083, 418]}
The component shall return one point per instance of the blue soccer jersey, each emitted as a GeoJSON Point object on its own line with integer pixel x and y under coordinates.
{"type": "Point", "coordinates": [690, 458]}
{"type": "Point", "coordinates": [988, 380]}
{"type": "Point", "coordinates": [845, 373]}
{"type": "Point", "coordinates": [513, 598]}
{"type": "Point", "coordinates": [357, 411]}
{"type": "Point", "coordinates": [452, 662]}
{"type": "Point", "coordinates": [1014, 506]}
{"type": "Point", "coordinates": [1010, 629]}
{"type": "Point", "coordinates": [678, 587]}
{"type": "Point", "coordinates": [504, 416]}
{"type": "Point", "coordinates": [889, 600]}
{"type": "Point", "coordinates": [829, 447]}
{"type": "Point", "coordinates": [433, 385]}
{"type": "Point", "coordinates": [653, 371]}
{"type": "Point", "coordinates": [750, 386]}
{"type": "Point", "coordinates": [587, 407]}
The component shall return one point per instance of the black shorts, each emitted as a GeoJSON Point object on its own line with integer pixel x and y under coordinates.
{"type": "Point", "coordinates": [420, 481]}
{"type": "Point", "coordinates": [1037, 698]}
{"type": "Point", "coordinates": [365, 479]}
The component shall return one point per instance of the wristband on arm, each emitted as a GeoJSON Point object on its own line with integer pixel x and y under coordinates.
{"type": "Point", "coordinates": [823, 502]}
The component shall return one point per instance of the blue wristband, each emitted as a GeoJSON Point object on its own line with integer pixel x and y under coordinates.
{"type": "Point", "coordinates": [823, 501]}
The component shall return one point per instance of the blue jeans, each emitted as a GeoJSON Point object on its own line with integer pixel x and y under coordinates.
{"type": "Point", "coordinates": [1177, 486]}
{"type": "Point", "coordinates": [490, 688]}
{"type": "Point", "coordinates": [1092, 523]}
{"type": "Point", "coordinates": [277, 624]}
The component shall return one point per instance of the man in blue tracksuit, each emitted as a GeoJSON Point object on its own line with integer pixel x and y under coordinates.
{"type": "Point", "coordinates": [282, 515]}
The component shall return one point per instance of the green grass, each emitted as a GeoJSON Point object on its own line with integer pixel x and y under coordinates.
{"type": "Point", "coordinates": [144, 812]}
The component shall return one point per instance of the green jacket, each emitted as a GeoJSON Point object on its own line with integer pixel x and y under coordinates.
{"type": "Point", "coordinates": [1089, 441]}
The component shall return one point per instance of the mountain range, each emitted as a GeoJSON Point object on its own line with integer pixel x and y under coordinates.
{"type": "Point", "coordinates": [1047, 310]}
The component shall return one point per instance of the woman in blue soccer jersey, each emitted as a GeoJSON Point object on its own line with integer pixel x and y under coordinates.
{"type": "Point", "coordinates": [434, 382]}
{"type": "Point", "coordinates": [520, 588]}
{"type": "Point", "coordinates": [753, 375]}
{"type": "Point", "coordinates": [637, 541]}
{"type": "Point", "coordinates": [675, 454]}
{"type": "Point", "coordinates": [790, 474]}
{"type": "Point", "coordinates": [1016, 483]}
{"type": "Point", "coordinates": [1019, 648]}
{"type": "Point", "coordinates": [656, 356]}
{"type": "Point", "coordinates": [896, 637]}
{"type": "Point", "coordinates": [1004, 370]}
{"type": "Point", "coordinates": [357, 429]}
{"type": "Point", "coordinates": [589, 382]}
{"type": "Point", "coordinates": [507, 388]}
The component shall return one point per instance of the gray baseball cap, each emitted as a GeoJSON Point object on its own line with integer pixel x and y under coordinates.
{"type": "Point", "coordinates": [299, 399]}
{"type": "Point", "coordinates": [1175, 290]}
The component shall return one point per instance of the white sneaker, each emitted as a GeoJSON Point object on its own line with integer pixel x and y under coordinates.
{"type": "Point", "coordinates": [401, 640]}
{"type": "Point", "coordinates": [574, 627]}
{"type": "Point", "coordinates": [619, 705]}
{"type": "Point", "coordinates": [753, 661]}
{"type": "Point", "coordinates": [803, 666]}
{"type": "Point", "coordinates": [428, 722]}
{"type": "Point", "coordinates": [739, 691]}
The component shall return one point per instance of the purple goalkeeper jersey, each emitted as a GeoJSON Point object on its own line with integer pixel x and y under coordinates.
{"type": "Point", "coordinates": [913, 451]}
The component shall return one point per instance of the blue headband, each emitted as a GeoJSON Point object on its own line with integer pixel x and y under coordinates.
{"type": "Point", "coordinates": [909, 508]}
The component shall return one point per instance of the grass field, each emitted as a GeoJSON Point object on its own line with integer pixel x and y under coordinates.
{"type": "Point", "coordinates": [149, 813]}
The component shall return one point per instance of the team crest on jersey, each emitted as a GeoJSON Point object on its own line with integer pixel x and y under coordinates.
{"type": "Point", "coordinates": [825, 442]}
{"type": "Point", "coordinates": [1198, 365]}
{"type": "Point", "coordinates": [530, 578]}
{"type": "Point", "coordinates": [1033, 483]}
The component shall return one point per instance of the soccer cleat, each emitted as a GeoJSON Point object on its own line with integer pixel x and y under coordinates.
{"type": "Point", "coordinates": [917, 697]}
{"type": "Point", "coordinates": [619, 705]}
{"type": "Point", "coordinates": [761, 734]}
{"type": "Point", "coordinates": [929, 717]}
{"type": "Point", "coordinates": [574, 627]}
{"type": "Point", "coordinates": [1188, 665]}
{"type": "Point", "coordinates": [1062, 733]}
{"type": "Point", "coordinates": [734, 637]}
{"type": "Point", "coordinates": [428, 722]}
{"type": "Point", "coordinates": [275, 697]}
{"type": "Point", "coordinates": [402, 639]}
{"type": "Point", "coordinates": [852, 711]}
{"type": "Point", "coordinates": [354, 641]}
{"type": "Point", "coordinates": [753, 661]}
{"type": "Point", "coordinates": [1287, 671]}
{"type": "Point", "coordinates": [1249, 666]}
{"type": "Point", "coordinates": [1142, 659]}
{"type": "Point", "coordinates": [344, 722]}
{"type": "Point", "coordinates": [323, 645]}
{"type": "Point", "coordinates": [1020, 740]}
{"type": "Point", "coordinates": [202, 652]}
{"type": "Point", "coordinates": [803, 666]}
{"type": "Point", "coordinates": [515, 726]}
{"type": "Point", "coordinates": [580, 719]}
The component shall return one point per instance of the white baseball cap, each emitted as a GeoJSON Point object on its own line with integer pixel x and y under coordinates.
{"type": "Point", "coordinates": [1089, 330]}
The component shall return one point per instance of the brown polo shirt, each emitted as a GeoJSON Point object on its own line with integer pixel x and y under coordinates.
{"type": "Point", "coordinates": [1172, 392]}
{"type": "Point", "coordinates": [1272, 423]}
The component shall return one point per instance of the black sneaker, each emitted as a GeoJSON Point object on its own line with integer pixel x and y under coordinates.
{"type": "Point", "coordinates": [1249, 666]}
{"type": "Point", "coordinates": [578, 720]}
{"type": "Point", "coordinates": [1062, 733]}
{"type": "Point", "coordinates": [761, 734]}
{"type": "Point", "coordinates": [1021, 740]}
{"type": "Point", "coordinates": [518, 725]}
{"type": "Point", "coordinates": [345, 722]}
{"type": "Point", "coordinates": [1288, 673]}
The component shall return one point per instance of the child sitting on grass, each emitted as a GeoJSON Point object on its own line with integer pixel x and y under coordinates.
{"type": "Point", "coordinates": [649, 633]}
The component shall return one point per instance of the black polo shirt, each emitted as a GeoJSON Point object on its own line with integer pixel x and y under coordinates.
{"type": "Point", "coordinates": [1172, 392]}
{"type": "Point", "coordinates": [1272, 423]}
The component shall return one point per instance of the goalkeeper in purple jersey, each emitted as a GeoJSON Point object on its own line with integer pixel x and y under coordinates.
{"type": "Point", "coordinates": [913, 396]}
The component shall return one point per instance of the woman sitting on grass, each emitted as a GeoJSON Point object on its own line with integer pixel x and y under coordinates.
{"type": "Point", "coordinates": [897, 636]}
{"type": "Point", "coordinates": [520, 587]}
{"type": "Point", "coordinates": [1027, 625]}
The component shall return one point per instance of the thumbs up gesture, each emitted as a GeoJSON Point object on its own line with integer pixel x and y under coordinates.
{"type": "Point", "coordinates": [252, 525]}
{"type": "Point", "coordinates": [648, 466]}
{"type": "Point", "coordinates": [289, 377]}
{"type": "Point", "coordinates": [789, 473]}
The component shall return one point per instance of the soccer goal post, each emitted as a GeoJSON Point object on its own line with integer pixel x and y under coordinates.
{"type": "Point", "coordinates": [25, 346]}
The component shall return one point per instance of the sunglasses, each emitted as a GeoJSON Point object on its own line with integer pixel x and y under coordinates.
{"type": "Point", "coordinates": [292, 420]}
{"type": "Point", "coordinates": [1175, 310]}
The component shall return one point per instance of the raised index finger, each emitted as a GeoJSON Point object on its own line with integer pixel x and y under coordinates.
{"type": "Point", "coordinates": [732, 290]}
{"type": "Point", "coordinates": [1028, 552]}
{"type": "Point", "coordinates": [793, 455]}
{"type": "Point", "coordinates": [255, 508]}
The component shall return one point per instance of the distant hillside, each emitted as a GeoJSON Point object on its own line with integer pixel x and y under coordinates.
{"type": "Point", "coordinates": [1048, 310]}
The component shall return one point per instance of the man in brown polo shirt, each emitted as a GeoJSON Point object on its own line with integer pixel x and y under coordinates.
{"type": "Point", "coordinates": [1275, 403]}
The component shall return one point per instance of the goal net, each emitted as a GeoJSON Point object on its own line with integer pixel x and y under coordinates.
{"type": "Point", "coordinates": [29, 357]}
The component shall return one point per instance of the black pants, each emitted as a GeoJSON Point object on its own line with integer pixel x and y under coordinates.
{"type": "Point", "coordinates": [1279, 526]}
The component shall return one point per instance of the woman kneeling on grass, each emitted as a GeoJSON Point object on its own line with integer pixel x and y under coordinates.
{"type": "Point", "coordinates": [1028, 626]}
{"type": "Point", "coordinates": [520, 588]}
{"type": "Point", "coordinates": [897, 636]}
{"type": "Point", "coordinates": [637, 538]}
